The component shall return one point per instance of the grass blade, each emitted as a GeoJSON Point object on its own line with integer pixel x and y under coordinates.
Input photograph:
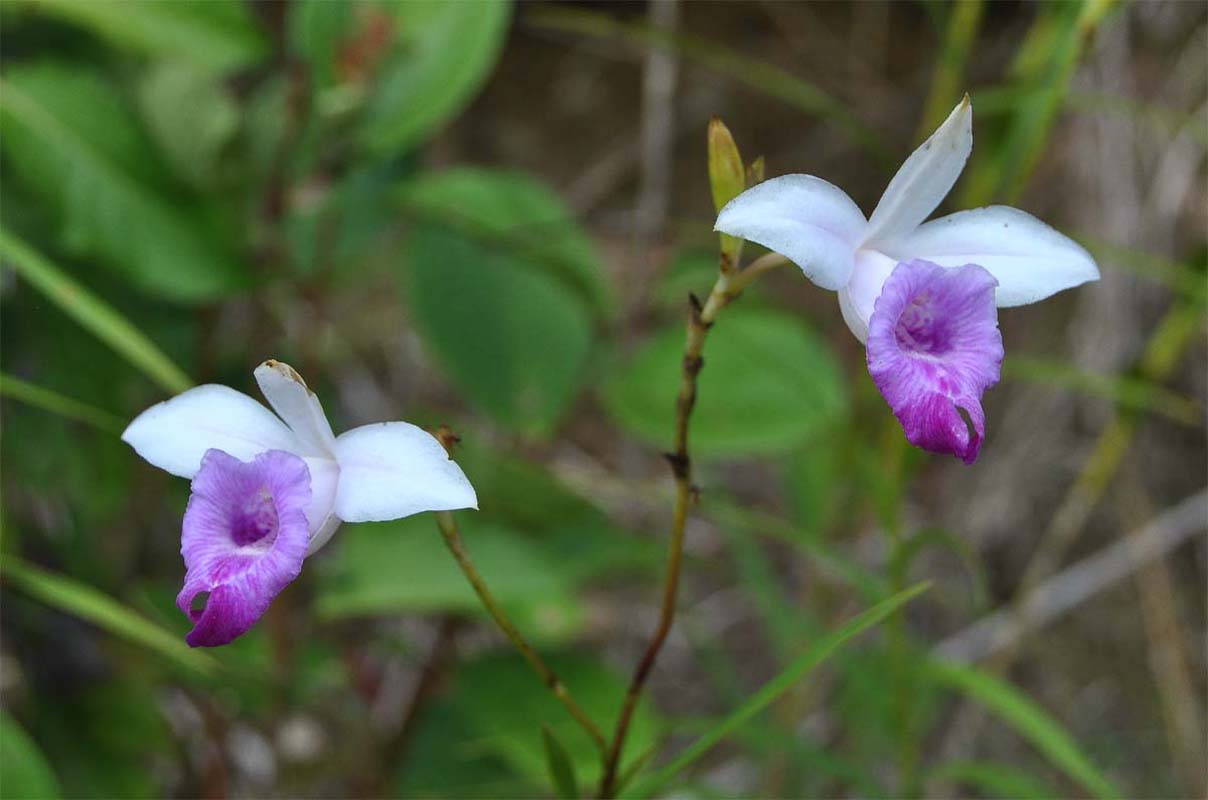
{"type": "Point", "coordinates": [87, 603]}
{"type": "Point", "coordinates": [1134, 394]}
{"type": "Point", "coordinates": [1028, 719]}
{"type": "Point", "coordinates": [798, 669]}
{"type": "Point", "coordinates": [964, 18]}
{"type": "Point", "coordinates": [55, 403]}
{"type": "Point", "coordinates": [92, 313]}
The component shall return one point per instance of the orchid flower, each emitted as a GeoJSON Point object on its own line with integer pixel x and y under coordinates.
{"type": "Point", "coordinates": [922, 296]}
{"type": "Point", "coordinates": [269, 490]}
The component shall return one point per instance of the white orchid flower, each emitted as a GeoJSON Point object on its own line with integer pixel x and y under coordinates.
{"type": "Point", "coordinates": [269, 490]}
{"type": "Point", "coordinates": [920, 295]}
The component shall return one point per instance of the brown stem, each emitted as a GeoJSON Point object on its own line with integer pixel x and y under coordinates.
{"type": "Point", "coordinates": [700, 319]}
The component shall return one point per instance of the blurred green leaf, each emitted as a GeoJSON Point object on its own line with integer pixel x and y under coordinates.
{"type": "Point", "coordinates": [964, 19]}
{"type": "Point", "coordinates": [1027, 719]}
{"type": "Point", "coordinates": [443, 55]}
{"type": "Point", "coordinates": [510, 328]}
{"type": "Point", "coordinates": [768, 385]}
{"type": "Point", "coordinates": [82, 601]}
{"type": "Point", "coordinates": [507, 705]}
{"type": "Point", "coordinates": [805, 663]}
{"type": "Point", "coordinates": [995, 780]}
{"type": "Point", "coordinates": [403, 567]}
{"type": "Point", "coordinates": [447, 760]}
{"type": "Point", "coordinates": [216, 34]}
{"type": "Point", "coordinates": [24, 771]}
{"type": "Point", "coordinates": [1046, 59]}
{"type": "Point", "coordinates": [561, 770]}
{"type": "Point", "coordinates": [191, 116]}
{"type": "Point", "coordinates": [512, 212]}
{"type": "Point", "coordinates": [56, 403]}
{"type": "Point", "coordinates": [68, 135]}
{"type": "Point", "coordinates": [92, 314]}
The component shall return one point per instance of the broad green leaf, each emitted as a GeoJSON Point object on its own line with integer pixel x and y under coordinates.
{"type": "Point", "coordinates": [561, 770]}
{"type": "Point", "coordinates": [191, 116]}
{"type": "Point", "coordinates": [216, 34]}
{"type": "Point", "coordinates": [511, 331]}
{"type": "Point", "coordinates": [93, 314]}
{"type": "Point", "coordinates": [56, 403]}
{"type": "Point", "coordinates": [404, 567]}
{"type": "Point", "coordinates": [805, 663]}
{"type": "Point", "coordinates": [507, 705]}
{"type": "Point", "coordinates": [768, 385]}
{"type": "Point", "coordinates": [511, 212]}
{"type": "Point", "coordinates": [83, 601]}
{"type": "Point", "coordinates": [1006, 781]}
{"type": "Point", "coordinates": [447, 760]}
{"type": "Point", "coordinates": [442, 56]}
{"type": "Point", "coordinates": [24, 772]}
{"type": "Point", "coordinates": [1027, 719]}
{"type": "Point", "coordinates": [69, 137]}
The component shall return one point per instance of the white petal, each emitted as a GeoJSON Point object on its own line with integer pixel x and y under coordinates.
{"type": "Point", "coordinates": [321, 512]}
{"type": "Point", "coordinates": [173, 435]}
{"type": "Point", "coordinates": [290, 397]}
{"type": "Point", "coordinates": [925, 178]}
{"type": "Point", "coordinates": [394, 469]}
{"type": "Point", "coordinates": [1030, 260]}
{"type": "Point", "coordinates": [858, 297]}
{"type": "Point", "coordinates": [804, 218]}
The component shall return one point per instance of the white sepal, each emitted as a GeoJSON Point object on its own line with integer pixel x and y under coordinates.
{"type": "Point", "coordinates": [394, 469]}
{"type": "Point", "coordinates": [1030, 260]}
{"type": "Point", "coordinates": [811, 222]}
{"type": "Point", "coordinates": [175, 434]}
{"type": "Point", "coordinates": [924, 179]}
{"type": "Point", "coordinates": [291, 398]}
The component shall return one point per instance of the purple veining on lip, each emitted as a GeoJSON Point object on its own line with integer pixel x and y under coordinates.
{"type": "Point", "coordinates": [933, 349]}
{"type": "Point", "coordinates": [244, 538]}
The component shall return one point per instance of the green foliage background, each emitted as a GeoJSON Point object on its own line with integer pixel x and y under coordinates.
{"type": "Point", "coordinates": [428, 208]}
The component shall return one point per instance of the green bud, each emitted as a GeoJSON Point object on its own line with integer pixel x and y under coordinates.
{"type": "Point", "coordinates": [727, 180]}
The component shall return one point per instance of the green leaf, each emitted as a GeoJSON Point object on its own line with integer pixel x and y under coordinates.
{"type": "Point", "coordinates": [216, 34]}
{"type": "Point", "coordinates": [509, 325]}
{"type": "Point", "coordinates": [995, 780]}
{"type": "Point", "coordinates": [1029, 720]}
{"type": "Point", "coordinates": [92, 314]}
{"type": "Point", "coordinates": [512, 212]}
{"type": "Point", "coordinates": [191, 116]}
{"type": "Point", "coordinates": [506, 704]}
{"type": "Point", "coordinates": [805, 663]}
{"type": "Point", "coordinates": [403, 567]}
{"type": "Point", "coordinates": [442, 57]}
{"type": "Point", "coordinates": [87, 603]}
{"type": "Point", "coordinates": [768, 385]}
{"type": "Point", "coordinates": [69, 137]}
{"type": "Point", "coordinates": [561, 770]}
{"type": "Point", "coordinates": [24, 771]}
{"type": "Point", "coordinates": [56, 403]}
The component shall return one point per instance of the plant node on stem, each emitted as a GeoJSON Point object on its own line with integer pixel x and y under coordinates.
{"type": "Point", "coordinates": [700, 319]}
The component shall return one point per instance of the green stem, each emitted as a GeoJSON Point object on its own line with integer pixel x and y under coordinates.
{"type": "Point", "coordinates": [452, 534]}
{"type": "Point", "coordinates": [700, 319]}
